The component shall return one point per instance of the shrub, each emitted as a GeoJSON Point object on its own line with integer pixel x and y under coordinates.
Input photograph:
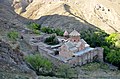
{"type": "Point", "coordinates": [35, 27]}
{"type": "Point", "coordinates": [66, 71]}
{"type": "Point", "coordinates": [52, 40]}
{"type": "Point", "coordinates": [49, 30]}
{"type": "Point", "coordinates": [59, 32]}
{"type": "Point", "coordinates": [13, 35]}
{"type": "Point", "coordinates": [36, 31]}
{"type": "Point", "coordinates": [41, 65]}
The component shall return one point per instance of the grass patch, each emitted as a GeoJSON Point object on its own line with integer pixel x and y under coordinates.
{"type": "Point", "coordinates": [94, 66]}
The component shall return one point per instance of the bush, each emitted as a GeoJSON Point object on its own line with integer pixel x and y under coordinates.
{"type": "Point", "coordinates": [65, 71]}
{"type": "Point", "coordinates": [52, 40]}
{"type": "Point", "coordinates": [49, 30]}
{"type": "Point", "coordinates": [35, 28]}
{"type": "Point", "coordinates": [36, 31]}
{"type": "Point", "coordinates": [13, 35]}
{"type": "Point", "coordinates": [41, 65]}
{"type": "Point", "coordinates": [58, 32]}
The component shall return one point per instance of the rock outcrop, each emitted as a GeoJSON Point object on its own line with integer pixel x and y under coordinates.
{"type": "Point", "coordinates": [11, 60]}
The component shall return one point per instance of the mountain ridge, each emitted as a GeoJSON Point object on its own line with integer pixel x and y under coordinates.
{"type": "Point", "coordinates": [103, 14]}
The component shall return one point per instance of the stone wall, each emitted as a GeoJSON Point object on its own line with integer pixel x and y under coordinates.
{"type": "Point", "coordinates": [79, 60]}
{"type": "Point", "coordinates": [44, 50]}
{"type": "Point", "coordinates": [48, 54]}
{"type": "Point", "coordinates": [96, 54]}
{"type": "Point", "coordinates": [100, 51]}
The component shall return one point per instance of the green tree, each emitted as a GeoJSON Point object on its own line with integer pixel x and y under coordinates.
{"type": "Point", "coordinates": [110, 43]}
{"type": "Point", "coordinates": [40, 64]}
{"type": "Point", "coordinates": [52, 40]}
{"type": "Point", "coordinates": [113, 39]}
{"type": "Point", "coordinates": [95, 38]}
{"type": "Point", "coordinates": [114, 57]}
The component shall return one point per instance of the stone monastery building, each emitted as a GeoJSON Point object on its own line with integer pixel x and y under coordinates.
{"type": "Point", "coordinates": [73, 45]}
{"type": "Point", "coordinates": [71, 50]}
{"type": "Point", "coordinates": [76, 51]}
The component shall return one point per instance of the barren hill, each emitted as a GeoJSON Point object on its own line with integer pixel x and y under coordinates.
{"type": "Point", "coordinates": [104, 14]}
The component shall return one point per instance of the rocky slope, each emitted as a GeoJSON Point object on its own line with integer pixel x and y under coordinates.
{"type": "Point", "coordinates": [67, 14]}
{"type": "Point", "coordinates": [104, 14]}
{"type": "Point", "coordinates": [11, 61]}
{"type": "Point", "coordinates": [12, 65]}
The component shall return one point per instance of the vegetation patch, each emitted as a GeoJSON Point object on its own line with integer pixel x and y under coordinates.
{"type": "Point", "coordinates": [65, 71]}
{"type": "Point", "coordinates": [34, 27]}
{"type": "Point", "coordinates": [49, 30]}
{"type": "Point", "coordinates": [52, 40]}
{"type": "Point", "coordinates": [44, 67]}
{"type": "Point", "coordinates": [110, 43]}
{"type": "Point", "coordinates": [41, 65]}
{"type": "Point", "coordinates": [94, 66]}
{"type": "Point", "coordinates": [13, 35]}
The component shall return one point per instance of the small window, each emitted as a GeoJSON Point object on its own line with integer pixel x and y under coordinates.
{"type": "Point", "coordinates": [73, 56]}
{"type": "Point", "coordinates": [56, 52]}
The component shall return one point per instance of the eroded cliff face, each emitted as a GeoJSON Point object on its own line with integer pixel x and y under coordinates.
{"type": "Point", "coordinates": [104, 14]}
{"type": "Point", "coordinates": [11, 61]}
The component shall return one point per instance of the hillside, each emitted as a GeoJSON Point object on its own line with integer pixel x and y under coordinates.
{"type": "Point", "coordinates": [15, 15]}
{"type": "Point", "coordinates": [104, 14]}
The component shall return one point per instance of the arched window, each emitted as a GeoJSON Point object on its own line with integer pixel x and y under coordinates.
{"type": "Point", "coordinates": [74, 40]}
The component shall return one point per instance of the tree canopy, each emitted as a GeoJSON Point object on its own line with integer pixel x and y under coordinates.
{"type": "Point", "coordinates": [110, 43]}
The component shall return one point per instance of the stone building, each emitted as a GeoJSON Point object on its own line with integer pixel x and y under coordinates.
{"type": "Point", "coordinates": [77, 51]}
{"type": "Point", "coordinates": [72, 49]}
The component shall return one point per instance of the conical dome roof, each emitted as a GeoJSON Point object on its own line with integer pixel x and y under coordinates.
{"type": "Point", "coordinates": [65, 33]}
{"type": "Point", "coordinates": [74, 33]}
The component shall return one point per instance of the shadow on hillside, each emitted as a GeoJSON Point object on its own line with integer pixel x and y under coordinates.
{"type": "Point", "coordinates": [8, 18]}
{"type": "Point", "coordinates": [55, 21]}
{"type": "Point", "coordinates": [64, 22]}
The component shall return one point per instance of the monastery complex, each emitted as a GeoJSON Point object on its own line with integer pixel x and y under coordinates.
{"type": "Point", "coordinates": [71, 50]}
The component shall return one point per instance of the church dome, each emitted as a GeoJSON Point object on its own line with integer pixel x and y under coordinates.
{"type": "Point", "coordinates": [74, 33]}
{"type": "Point", "coordinates": [65, 33]}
